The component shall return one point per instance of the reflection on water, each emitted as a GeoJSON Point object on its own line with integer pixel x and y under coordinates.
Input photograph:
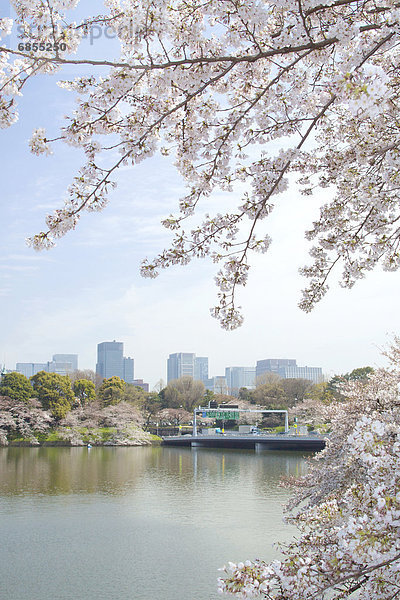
{"type": "Point", "coordinates": [135, 523]}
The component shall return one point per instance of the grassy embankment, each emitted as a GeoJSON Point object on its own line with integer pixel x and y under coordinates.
{"type": "Point", "coordinates": [82, 436]}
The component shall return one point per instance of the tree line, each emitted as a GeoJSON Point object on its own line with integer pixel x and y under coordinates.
{"type": "Point", "coordinates": [60, 394]}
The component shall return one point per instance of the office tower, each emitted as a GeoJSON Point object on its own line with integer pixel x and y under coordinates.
{"type": "Point", "coordinates": [201, 368]}
{"type": "Point", "coordinates": [111, 361]}
{"type": "Point", "coordinates": [61, 368]}
{"type": "Point", "coordinates": [30, 369]}
{"type": "Point", "coordinates": [186, 364]}
{"type": "Point", "coordinates": [72, 359]}
{"type": "Point", "coordinates": [272, 365]}
{"type": "Point", "coordinates": [128, 365]}
{"type": "Point", "coordinates": [313, 374]}
{"type": "Point", "coordinates": [180, 364]}
{"type": "Point", "coordinates": [238, 377]}
{"type": "Point", "coordinates": [288, 369]}
{"type": "Point", "coordinates": [63, 364]}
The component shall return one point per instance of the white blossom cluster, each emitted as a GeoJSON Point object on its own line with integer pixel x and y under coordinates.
{"type": "Point", "coordinates": [219, 85]}
{"type": "Point", "coordinates": [38, 143]}
{"type": "Point", "coordinates": [348, 507]}
{"type": "Point", "coordinates": [5, 27]}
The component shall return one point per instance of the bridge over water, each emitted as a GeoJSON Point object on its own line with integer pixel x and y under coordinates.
{"type": "Point", "coordinates": [253, 441]}
{"type": "Point", "coordinates": [258, 442]}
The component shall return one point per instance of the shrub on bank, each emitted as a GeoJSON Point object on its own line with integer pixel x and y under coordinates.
{"type": "Point", "coordinates": [27, 423]}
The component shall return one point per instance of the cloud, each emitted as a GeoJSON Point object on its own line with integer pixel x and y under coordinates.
{"type": "Point", "coordinates": [29, 257]}
{"type": "Point", "coordinates": [21, 268]}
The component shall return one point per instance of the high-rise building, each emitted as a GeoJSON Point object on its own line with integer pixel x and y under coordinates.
{"type": "Point", "coordinates": [272, 365]}
{"type": "Point", "coordinates": [128, 370]}
{"type": "Point", "coordinates": [180, 364]}
{"type": "Point", "coordinates": [201, 368]}
{"type": "Point", "coordinates": [287, 369]}
{"type": "Point", "coordinates": [61, 368]}
{"type": "Point", "coordinates": [71, 359]}
{"type": "Point", "coordinates": [62, 364]}
{"type": "Point", "coordinates": [186, 364]}
{"type": "Point", "coordinates": [30, 369]}
{"type": "Point", "coordinates": [238, 377]}
{"type": "Point", "coordinates": [111, 361]}
{"type": "Point", "coordinates": [313, 374]}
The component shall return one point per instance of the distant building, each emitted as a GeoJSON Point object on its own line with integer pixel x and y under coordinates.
{"type": "Point", "coordinates": [110, 359]}
{"type": "Point", "coordinates": [313, 374]}
{"type": "Point", "coordinates": [272, 365]}
{"type": "Point", "coordinates": [201, 368]}
{"type": "Point", "coordinates": [61, 368]}
{"type": "Point", "coordinates": [71, 359]}
{"type": "Point", "coordinates": [111, 362]}
{"type": "Point", "coordinates": [140, 383]}
{"type": "Point", "coordinates": [187, 364]}
{"type": "Point", "coordinates": [238, 377]}
{"type": "Point", "coordinates": [30, 369]}
{"type": "Point", "coordinates": [128, 366]}
{"type": "Point", "coordinates": [61, 364]}
{"type": "Point", "coordinates": [180, 364]}
{"type": "Point", "coordinates": [287, 369]}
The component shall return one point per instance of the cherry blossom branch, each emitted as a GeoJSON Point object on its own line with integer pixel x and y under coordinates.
{"type": "Point", "coordinates": [209, 81]}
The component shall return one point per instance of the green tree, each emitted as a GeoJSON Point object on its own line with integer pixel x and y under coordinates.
{"type": "Point", "coordinates": [84, 390]}
{"type": "Point", "coordinates": [111, 391]}
{"type": "Point", "coordinates": [209, 396]}
{"type": "Point", "coordinates": [334, 386]}
{"type": "Point", "coordinates": [134, 394]}
{"type": "Point", "coordinates": [16, 386]}
{"type": "Point", "coordinates": [54, 392]}
{"type": "Point", "coordinates": [246, 395]}
{"type": "Point", "coordinates": [359, 374]}
{"type": "Point", "coordinates": [320, 392]}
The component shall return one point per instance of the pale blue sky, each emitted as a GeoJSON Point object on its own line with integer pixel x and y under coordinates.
{"type": "Point", "coordinates": [88, 289]}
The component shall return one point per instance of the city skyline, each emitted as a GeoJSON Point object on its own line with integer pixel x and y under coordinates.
{"type": "Point", "coordinates": [110, 361]}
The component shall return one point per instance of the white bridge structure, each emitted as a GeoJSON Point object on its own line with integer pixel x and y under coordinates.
{"type": "Point", "coordinates": [231, 413]}
{"type": "Point", "coordinates": [258, 440]}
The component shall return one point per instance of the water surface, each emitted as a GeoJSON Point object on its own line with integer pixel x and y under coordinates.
{"type": "Point", "coordinates": [135, 523]}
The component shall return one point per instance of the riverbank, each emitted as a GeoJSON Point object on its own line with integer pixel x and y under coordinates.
{"type": "Point", "coordinates": [63, 444]}
{"type": "Point", "coordinates": [82, 436]}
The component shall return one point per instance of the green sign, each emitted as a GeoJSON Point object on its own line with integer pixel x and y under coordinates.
{"type": "Point", "coordinates": [225, 415]}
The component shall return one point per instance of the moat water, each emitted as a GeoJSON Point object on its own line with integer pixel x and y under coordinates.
{"type": "Point", "coordinates": [147, 523]}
